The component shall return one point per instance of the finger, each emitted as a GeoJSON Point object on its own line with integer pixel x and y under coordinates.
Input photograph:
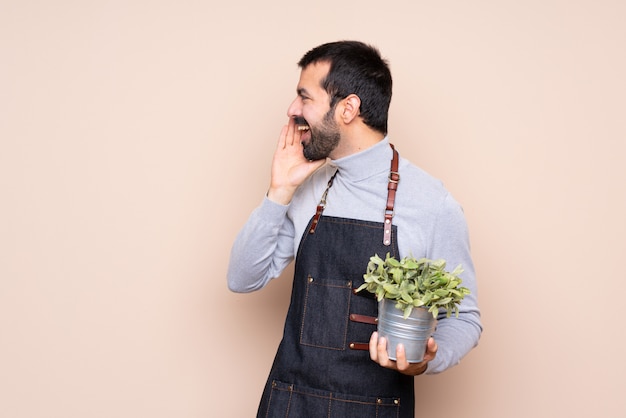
{"type": "Point", "coordinates": [401, 361]}
{"type": "Point", "coordinates": [381, 351]}
{"type": "Point", "coordinates": [291, 130]}
{"type": "Point", "coordinates": [373, 346]}
{"type": "Point", "coordinates": [297, 135]}
{"type": "Point", "coordinates": [432, 345]}
{"type": "Point", "coordinates": [431, 350]}
{"type": "Point", "coordinates": [282, 138]}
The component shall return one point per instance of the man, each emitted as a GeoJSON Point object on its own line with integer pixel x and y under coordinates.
{"type": "Point", "coordinates": [332, 216]}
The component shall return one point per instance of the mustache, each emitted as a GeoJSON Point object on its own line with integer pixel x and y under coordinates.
{"type": "Point", "coordinates": [300, 121]}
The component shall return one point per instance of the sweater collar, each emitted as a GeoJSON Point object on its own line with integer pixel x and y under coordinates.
{"type": "Point", "coordinates": [362, 165]}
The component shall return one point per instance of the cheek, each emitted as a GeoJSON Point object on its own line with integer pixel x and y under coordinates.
{"type": "Point", "coordinates": [307, 115]}
{"type": "Point", "coordinates": [312, 115]}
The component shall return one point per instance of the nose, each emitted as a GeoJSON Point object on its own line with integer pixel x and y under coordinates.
{"type": "Point", "coordinates": [295, 108]}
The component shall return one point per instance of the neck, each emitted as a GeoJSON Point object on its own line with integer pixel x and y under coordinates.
{"type": "Point", "coordinates": [356, 139]}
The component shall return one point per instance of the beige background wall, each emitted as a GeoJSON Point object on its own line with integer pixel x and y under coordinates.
{"type": "Point", "coordinates": [136, 137]}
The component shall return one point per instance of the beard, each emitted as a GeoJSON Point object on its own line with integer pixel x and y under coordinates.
{"type": "Point", "coordinates": [324, 138]}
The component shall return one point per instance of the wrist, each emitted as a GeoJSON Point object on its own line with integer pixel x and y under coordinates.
{"type": "Point", "coordinates": [280, 195]}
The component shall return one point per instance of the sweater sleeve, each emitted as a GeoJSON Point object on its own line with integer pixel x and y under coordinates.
{"type": "Point", "coordinates": [455, 337]}
{"type": "Point", "coordinates": [262, 249]}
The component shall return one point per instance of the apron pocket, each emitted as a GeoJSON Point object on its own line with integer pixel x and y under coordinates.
{"type": "Point", "coordinates": [325, 313]}
{"type": "Point", "coordinates": [293, 401]}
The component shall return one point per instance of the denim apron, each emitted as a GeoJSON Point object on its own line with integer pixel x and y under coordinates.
{"type": "Point", "coordinates": [322, 367]}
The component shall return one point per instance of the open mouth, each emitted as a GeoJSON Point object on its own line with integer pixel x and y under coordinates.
{"type": "Point", "coordinates": [301, 124]}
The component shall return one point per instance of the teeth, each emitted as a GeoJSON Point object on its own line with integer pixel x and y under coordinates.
{"type": "Point", "coordinates": [303, 128]}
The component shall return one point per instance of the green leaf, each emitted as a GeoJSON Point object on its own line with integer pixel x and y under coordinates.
{"type": "Point", "coordinates": [415, 282]}
{"type": "Point", "coordinates": [405, 297]}
{"type": "Point", "coordinates": [363, 286]}
{"type": "Point", "coordinates": [390, 288]}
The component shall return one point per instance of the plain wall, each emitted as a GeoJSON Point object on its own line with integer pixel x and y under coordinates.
{"type": "Point", "coordinates": [136, 137]}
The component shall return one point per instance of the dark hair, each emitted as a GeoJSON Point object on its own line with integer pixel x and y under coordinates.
{"type": "Point", "coordinates": [356, 68]}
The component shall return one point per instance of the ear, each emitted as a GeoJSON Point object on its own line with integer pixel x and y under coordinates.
{"type": "Point", "coordinates": [350, 108]}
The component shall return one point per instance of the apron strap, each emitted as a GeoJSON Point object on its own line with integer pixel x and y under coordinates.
{"type": "Point", "coordinates": [392, 186]}
{"type": "Point", "coordinates": [321, 205]}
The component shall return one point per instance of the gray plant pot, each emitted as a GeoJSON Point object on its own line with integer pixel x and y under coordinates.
{"type": "Point", "coordinates": [413, 332]}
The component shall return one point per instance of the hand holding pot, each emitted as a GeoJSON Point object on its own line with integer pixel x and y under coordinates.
{"type": "Point", "coordinates": [378, 353]}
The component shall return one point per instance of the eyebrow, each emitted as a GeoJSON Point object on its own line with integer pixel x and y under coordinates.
{"type": "Point", "coordinates": [303, 92]}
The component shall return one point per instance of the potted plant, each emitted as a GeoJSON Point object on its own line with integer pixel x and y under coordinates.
{"type": "Point", "coordinates": [411, 293]}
